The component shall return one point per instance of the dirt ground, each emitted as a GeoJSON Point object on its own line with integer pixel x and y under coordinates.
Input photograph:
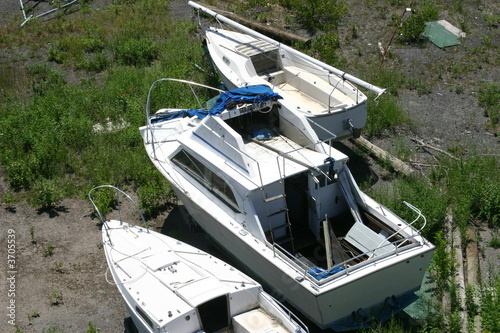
{"type": "Point", "coordinates": [76, 269]}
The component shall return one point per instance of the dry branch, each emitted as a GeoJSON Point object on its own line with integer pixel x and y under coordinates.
{"type": "Point", "coordinates": [421, 143]}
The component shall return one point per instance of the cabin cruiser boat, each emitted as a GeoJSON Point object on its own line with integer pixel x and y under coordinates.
{"type": "Point", "coordinates": [284, 203]}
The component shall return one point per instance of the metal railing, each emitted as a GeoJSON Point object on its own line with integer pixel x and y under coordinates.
{"type": "Point", "coordinates": [118, 192]}
{"type": "Point", "coordinates": [301, 327]}
{"type": "Point", "coordinates": [25, 10]}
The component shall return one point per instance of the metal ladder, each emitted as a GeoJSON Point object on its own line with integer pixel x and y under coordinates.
{"type": "Point", "coordinates": [281, 208]}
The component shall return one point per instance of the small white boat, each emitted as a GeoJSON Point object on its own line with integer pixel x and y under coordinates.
{"type": "Point", "coordinates": [324, 94]}
{"type": "Point", "coordinates": [284, 204]}
{"type": "Point", "coordinates": [170, 286]}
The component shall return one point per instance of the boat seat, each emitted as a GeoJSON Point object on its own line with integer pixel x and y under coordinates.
{"type": "Point", "coordinates": [313, 86]}
{"type": "Point", "coordinates": [256, 321]}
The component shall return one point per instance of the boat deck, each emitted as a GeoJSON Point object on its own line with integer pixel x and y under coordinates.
{"type": "Point", "coordinates": [278, 157]}
{"type": "Point", "coordinates": [168, 267]}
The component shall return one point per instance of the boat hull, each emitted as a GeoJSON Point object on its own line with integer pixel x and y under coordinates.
{"type": "Point", "coordinates": [341, 123]}
{"type": "Point", "coordinates": [340, 306]}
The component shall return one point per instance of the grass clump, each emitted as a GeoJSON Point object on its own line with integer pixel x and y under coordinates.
{"type": "Point", "coordinates": [489, 305]}
{"type": "Point", "coordinates": [136, 52]}
{"type": "Point", "coordinates": [413, 26]}
{"type": "Point", "coordinates": [489, 99]}
{"type": "Point", "coordinates": [56, 298]}
{"type": "Point", "coordinates": [49, 250]}
{"type": "Point", "coordinates": [47, 194]}
{"type": "Point", "coordinates": [383, 114]}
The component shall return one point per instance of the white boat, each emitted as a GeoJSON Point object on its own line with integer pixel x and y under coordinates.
{"type": "Point", "coordinates": [258, 180]}
{"type": "Point", "coordinates": [170, 286]}
{"type": "Point", "coordinates": [324, 94]}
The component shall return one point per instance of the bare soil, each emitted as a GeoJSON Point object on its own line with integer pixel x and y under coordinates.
{"type": "Point", "coordinates": [442, 118]}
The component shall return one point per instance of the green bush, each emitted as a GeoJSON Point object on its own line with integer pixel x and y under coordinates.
{"type": "Point", "coordinates": [94, 63]}
{"type": "Point", "coordinates": [44, 78]}
{"type": "Point", "coordinates": [47, 194]}
{"type": "Point", "coordinates": [18, 173]}
{"type": "Point", "coordinates": [326, 46]}
{"type": "Point", "coordinates": [428, 11]}
{"type": "Point", "coordinates": [490, 306]}
{"type": "Point", "coordinates": [385, 113]}
{"type": "Point", "coordinates": [105, 200]}
{"type": "Point", "coordinates": [155, 194]}
{"type": "Point", "coordinates": [318, 14]}
{"type": "Point", "coordinates": [473, 187]}
{"type": "Point", "coordinates": [412, 28]}
{"type": "Point", "coordinates": [135, 52]}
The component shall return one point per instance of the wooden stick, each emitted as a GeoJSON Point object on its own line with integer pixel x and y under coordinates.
{"type": "Point", "coordinates": [425, 145]}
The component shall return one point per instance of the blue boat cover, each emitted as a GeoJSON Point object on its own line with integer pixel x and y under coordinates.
{"type": "Point", "coordinates": [319, 273]}
{"type": "Point", "coordinates": [228, 99]}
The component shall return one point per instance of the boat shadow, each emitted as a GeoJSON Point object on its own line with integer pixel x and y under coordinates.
{"type": "Point", "coordinates": [359, 164]}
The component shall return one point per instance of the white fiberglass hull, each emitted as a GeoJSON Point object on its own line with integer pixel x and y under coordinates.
{"type": "Point", "coordinates": [342, 305]}
{"type": "Point", "coordinates": [168, 286]}
{"type": "Point", "coordinates": [275, 204]}
{"type": "Point", "coordinates": [333, 106]}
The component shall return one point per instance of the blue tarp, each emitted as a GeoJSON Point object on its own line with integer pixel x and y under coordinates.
{"type": "Point", "coordinates": [228, 99]}
{"type": "Point", "coordinates": [319, 273]}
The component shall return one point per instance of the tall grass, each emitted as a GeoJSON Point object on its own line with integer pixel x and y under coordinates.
{"type": "Point", "coordinates": [66, 135]}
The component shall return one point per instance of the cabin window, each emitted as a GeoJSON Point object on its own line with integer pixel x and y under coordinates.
{"type": "Point", "coordinates": [226, 60]}
{"type": "Point", "coordinates": [206, 177]}
{"type": "Point", "coordinates": [144, 316]}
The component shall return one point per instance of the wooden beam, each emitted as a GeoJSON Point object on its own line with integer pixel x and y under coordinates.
{"type": "Point", "coordinates": [381, 155]}
{"type": "Point", "coordinates": [275, 33]}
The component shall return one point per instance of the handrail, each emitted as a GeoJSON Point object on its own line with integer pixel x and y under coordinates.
{"type": "Point", "coordinates": [291, 315]}
{"type": "Point", "coordinates": [340, 73]}
{"type": "Point", "coordinates": [118, 192]}
{"type": "Point", "coordinates": [285, 155]}
{"type": "Point", "coordinates": [300, 265]}
{"type": "Point", "coordinates": [27, 18]}
{"type": "Point", "coordinates": [416, 210]}
{"type": "Point", "coordinates": [148, 102]}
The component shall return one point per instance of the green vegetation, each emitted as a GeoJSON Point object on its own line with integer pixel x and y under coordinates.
{"type": "Point", "coordinates": [56, 298]}
{"type": "Point", "coordinates": [54, 329]}
{"type": "Point", "coordinates": [33, 315]}
{"type": "Point", "coordinates": [57, 140]}
{"type": "Point", "coordinates": [385, 113]}
{"type": "Point", "coordinates": [58, 266]}
{"type": "Point", "coordinates": [489, 98]}
{"type": "Point", "coordinates": [49, 250]}
{"type": "Point", "coordinates": [92, 328]}
{"type": "Point", "coordinates": [71, 124]}
{"type": "Point", "coordinates": [32, 234]}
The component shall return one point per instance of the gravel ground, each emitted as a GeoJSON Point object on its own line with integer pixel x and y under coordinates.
{"type": "Point", "coordinates": [442, 118]}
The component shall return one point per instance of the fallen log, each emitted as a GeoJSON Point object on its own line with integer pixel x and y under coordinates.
{"type": "Point", "coordinates": [382, 155]}
{"type": "Point", "coordinates": [275, 33]}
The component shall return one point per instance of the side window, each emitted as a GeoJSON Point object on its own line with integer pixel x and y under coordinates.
{"type": "Point", "coordinates": [206, 177]}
